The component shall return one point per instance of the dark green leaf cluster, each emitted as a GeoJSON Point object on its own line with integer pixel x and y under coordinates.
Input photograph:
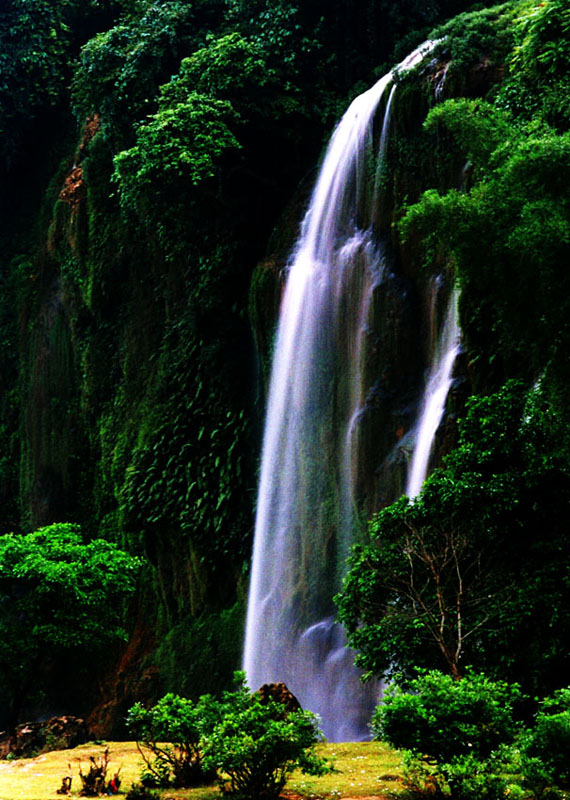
{"type": "Point", "coordinates": [465, 738]}
{"type": "Point", "coordinates": [169, 737]}
{"type": "Point", "coordinates": [471, 38]}
{"type": "Point", "coordinates": [508, 237]}
{"type": "Point", "coordinates": [180, 143]}
{"type": "Point", "coordinates": [536, 83]}
{"type": "Point", "coordinates": [454, 734]}
{"type": "Point", "coordinates": [506, 230]}
{"type": "Point", "coordinates": [120, 69]}
{"type": "Point", "coordinates": [197, 655]}
{"type": "Point", "coordinates": [34, 41]}
{"type": "Point", "coordinates": [188, 463]}
{"type": "Point", "coordinates": [545, 748]}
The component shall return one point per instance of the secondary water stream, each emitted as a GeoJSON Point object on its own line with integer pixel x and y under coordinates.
{"type": "Point", "coordinates": [437, 388]}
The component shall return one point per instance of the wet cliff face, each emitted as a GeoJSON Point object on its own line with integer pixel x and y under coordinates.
{"type": "Point", "coordinates": [136, 389]}
{"type": "Point", "coordinates": [130, 403]}
{"type": "Point", "coordinates": [407, 311]}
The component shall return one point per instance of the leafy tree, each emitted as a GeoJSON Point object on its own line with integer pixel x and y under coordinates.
{"type": "Point", "coordinates": [475, 570]}
{"type": "Point", "coordinates": [57, 594]}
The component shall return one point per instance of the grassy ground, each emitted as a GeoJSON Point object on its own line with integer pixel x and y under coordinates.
{"type": "Point", "coordinates": [365, 769]}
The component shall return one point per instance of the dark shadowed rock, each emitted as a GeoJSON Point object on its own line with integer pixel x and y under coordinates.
{"type": "Point", "coordinates": [57, 733]}
{"type": "Point", "coordinates": [279, 693]}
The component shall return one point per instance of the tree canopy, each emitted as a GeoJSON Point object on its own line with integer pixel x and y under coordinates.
{"type": "Point", "coordinates": [58, 593]}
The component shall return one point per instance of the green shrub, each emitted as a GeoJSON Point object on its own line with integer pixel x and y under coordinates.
{"type": "Point", "coordinates": [468, 778]}
{"type": "Point", "coordinates": [177, 144]}
{"type": "Point", "coordinates": [169, 739]}
{"type": "Point", "coordinates": [446, 718]}
{"type": "Point", "coordinates": [254, 744]}
{"type": "Point", "coordinates": [454, 733]}
{"type": "Point", "coordinates": [257, 745]}
{"type": "Point", "coordinates": [462, 778]}
{"type": "Point", "coordinates": [545, 749]}
{"type": "Point", "coordinates": [140, 792]}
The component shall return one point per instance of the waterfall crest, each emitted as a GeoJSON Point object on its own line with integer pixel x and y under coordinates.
{"type": "Point", "coordinates": [305, 511]}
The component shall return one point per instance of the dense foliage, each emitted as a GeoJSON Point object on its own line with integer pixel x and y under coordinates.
{"type": "Point", "coordinates": [35, 42]}
{"type": "Point", "coordinates": [254, 743]}
{"type": "Point", "coordinates": [546, 746]}
{"type": "Point", "coordinates": [454, 733]}
{"type": "Point", "coordinates": [465, 738]}
{"type": "Point", "coordinates": [169, 736]}
{"type": "Point", "coordinates": [516, 214]}
{"type": "Point", "coordinates": [444, 718]}
{"type": "Point", "coordinates": [509, 239]}
{"type": "Point", "coordinates": [474, 571]}
{"type": "Point", "coordinates": [58, 595]}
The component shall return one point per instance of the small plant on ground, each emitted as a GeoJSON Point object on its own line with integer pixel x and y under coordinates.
{"type": "Point", "coordinates": [66, 782]}
{"type": "Point", "coordinates": [140, 792]}
{"type": "Point", "coordinates": [95, 780]}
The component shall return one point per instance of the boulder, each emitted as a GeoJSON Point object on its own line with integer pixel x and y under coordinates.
{"type": "Point", "coordinates": [279, 693]}
{"type": "Point", "coordinates": [57, 733]}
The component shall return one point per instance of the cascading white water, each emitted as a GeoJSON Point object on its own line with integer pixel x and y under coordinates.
{"type": "Point", "coordinates": [435, 395]}
{"type": "Point", "coordinates": [305, 520]}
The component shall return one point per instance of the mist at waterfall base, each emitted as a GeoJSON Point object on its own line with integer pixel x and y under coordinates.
{"type": "Point", "coordinates": [306, 509]}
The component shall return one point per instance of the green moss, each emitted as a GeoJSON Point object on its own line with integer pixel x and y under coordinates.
{"type": "Point", "coordinates": [470, 39]}
{"type": "Point", "coordinates": [200, 655]}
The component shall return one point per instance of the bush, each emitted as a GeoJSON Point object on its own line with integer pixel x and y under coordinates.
{"type": "Point", "coordinates": [169, 739]}
{"type": "Point", "coordinates": [258, 746]}
{"type": "Point", "coordinates": [462, 778]}
{"type": "Point", "coordinates": [254, 744]}
{"type": "Point", "coordinates": [446, 718]}
{"type": "Point", "coordinates": [453, 732]}
{"type": "Point", "coordinates": [545, 749]}
{"type": "Point", "coordinates": [140, 792]}
{"type": "Point", "coordinates": [471, 779]}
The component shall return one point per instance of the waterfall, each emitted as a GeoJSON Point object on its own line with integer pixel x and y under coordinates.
{"type": "Point", "coordinates": [435, 394]}
{"type": "Point", "coordinates": [306, 502]}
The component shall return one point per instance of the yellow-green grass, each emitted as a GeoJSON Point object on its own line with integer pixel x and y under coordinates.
{"type": "Point", "coordinates": [365, 769]}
